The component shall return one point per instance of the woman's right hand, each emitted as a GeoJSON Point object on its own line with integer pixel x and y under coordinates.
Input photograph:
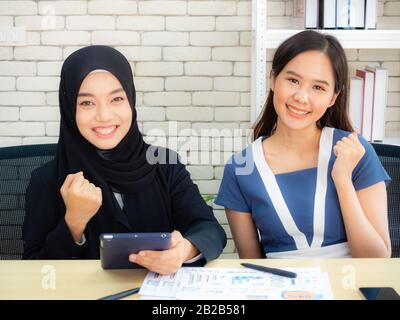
{"type": "Point", "coordinates": [82, 200]}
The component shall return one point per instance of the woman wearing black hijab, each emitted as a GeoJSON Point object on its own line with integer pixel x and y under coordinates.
{"type": "Point", "coordinates": [105, 178]}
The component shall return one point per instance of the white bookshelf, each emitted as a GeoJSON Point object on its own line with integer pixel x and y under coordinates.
{"type": "Point", "coordinates": [349, 39]}
{"type": "Point", "coordinates": [263, 39]}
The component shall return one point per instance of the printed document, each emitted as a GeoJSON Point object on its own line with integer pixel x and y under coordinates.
{"type": "Point", "coordinates": [195, 283]}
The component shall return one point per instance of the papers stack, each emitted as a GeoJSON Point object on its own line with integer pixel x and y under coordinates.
{"type": "Point", "coordinates": [237, 283]}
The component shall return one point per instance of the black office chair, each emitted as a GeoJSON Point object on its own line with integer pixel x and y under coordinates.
{"type": "Point", "coordinates": [16, 165]}
{"type": "Point", "coordinates": [390, 158]}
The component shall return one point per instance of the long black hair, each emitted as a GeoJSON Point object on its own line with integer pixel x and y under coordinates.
{"type": "Point", "coordinates": [335, 116]}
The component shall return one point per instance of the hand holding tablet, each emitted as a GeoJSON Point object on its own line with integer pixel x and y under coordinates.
{"type": "Point", "coordinates": [115, 248]}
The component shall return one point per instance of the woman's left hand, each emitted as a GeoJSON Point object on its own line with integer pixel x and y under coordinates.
{"type": "Point", "coordinates": [166, 261]}
{"type": "Point", "coordinates": [348, 152]}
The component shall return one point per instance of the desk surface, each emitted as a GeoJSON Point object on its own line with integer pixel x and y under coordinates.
{"type": "Point", "coordinates": [85, 279]}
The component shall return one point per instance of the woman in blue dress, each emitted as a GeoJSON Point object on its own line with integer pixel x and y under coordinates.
{"type": "Point", "coordinates": [307, 186]}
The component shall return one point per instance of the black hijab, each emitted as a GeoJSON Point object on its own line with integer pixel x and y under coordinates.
{"type": "Point", "coordinates": [123, 168]}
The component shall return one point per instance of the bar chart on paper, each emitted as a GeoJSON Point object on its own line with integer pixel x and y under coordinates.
{"type": "Point", "coordinates": [240, 280]}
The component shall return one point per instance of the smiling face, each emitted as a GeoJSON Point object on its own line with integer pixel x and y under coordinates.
{"type": "Point", "coordinates": [303, 90]}
{"type": "Point", "coordinates": [103, 112]}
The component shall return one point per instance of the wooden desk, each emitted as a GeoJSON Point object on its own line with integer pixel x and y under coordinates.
{"type": "Point", "coordinates": [85, 279]}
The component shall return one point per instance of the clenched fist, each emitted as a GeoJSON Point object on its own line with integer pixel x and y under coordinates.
{"type": "Point", "coordinates": [82, 200]}
{"type": "Point", "coordinates": [348, 152]}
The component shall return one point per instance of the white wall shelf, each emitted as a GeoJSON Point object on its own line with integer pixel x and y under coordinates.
{"type": "Point", "coordinates": [349, 39]}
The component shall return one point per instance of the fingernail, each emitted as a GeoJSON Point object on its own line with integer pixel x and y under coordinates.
{"type": "Point", "coordinates": [132, 257]}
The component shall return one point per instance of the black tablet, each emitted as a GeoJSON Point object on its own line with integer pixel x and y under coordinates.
{"type": "Point", "coordinates": [115, 248]}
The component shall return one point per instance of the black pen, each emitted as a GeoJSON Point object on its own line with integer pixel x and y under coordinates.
{"type": "Point", "coordinates": [121, 294]}
{"type": "Point", "coordinates": [275, 271]}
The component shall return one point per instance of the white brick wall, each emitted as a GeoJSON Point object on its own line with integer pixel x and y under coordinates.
{"type": "Point", "coordinates": [242, 69]}
{"type": "Point", "coordinates": [37, 83]}
{"type": "Point", "coordinates": [63, 7]}
{"type": "Point", "coordinates": [232, 114]}
{"type": "Point", "coordinates": [6, 21]}
{"type": "Point", "coordinates": [154, 127]}
{"type": "Point", "coordinates": [167, 99]}
{"type": "Point", "coordinates": [190, 113]}
{"type": "Point", "coordinates": [149, 84]}
{"type": "Point", "coordinates": [6, 53]}
{"type": "Point", "coordinates": [151, 113]}
{"type": "Point", "coordinates": [233, 23]}
{"type": "Point", "coordinates": [164, 8]}
{"type": "Point", "coordinates": [49, 68]}
{"type": "Point", "coordinates": [215, 8]}
{"type": "Point", "coordinates": [201, 172]}
{"type": "Point", "coordinates": [7, 84]}
{"type": "Point", "coordinates": [112, 7]}
{"type": "Point", "coordinates": [141, 53]}
{"type": "Point", "coordinates": [190, 23]}
{"type": "Point", "coordinates": [14, 98]}
{"type": "Point", "coordinates": [244, 8]}
{"type": "Point", "coordinates": [215, 98]}
{"type": "Point", "coordinates": [232, 84]}
{"type": "Point", "coordinates": [191, 64]}
{"type": "Point", "coordinates": [214, 39]}
{"type": "Point", "coordinates": [70, 38]}
{"type": "Point", "coordinates": [9, 113]}
{"type": "Point", "coordinates": [32, 38]}
{"type": "Point", "coordinates": [231, 54]}
{"type": "Point", "coordinates": [187, 54]}
{"type": "Point", "coordinates": [52, 128]}
{"type": "Point", "coordinates": [141, 23]}
{"type": "Point", "coordinates": [22, 129]}
{"type": "Point", "coordinates": [159, 69]}
{"type": "Point", "coordinates": [36, 23]}
{"type": "Point", "coordinates": [165, 39]}
{"type": "Point", "coordinates": [18, 8]}
{"type": "Point", "coordinates": [208, 68]}
{"type": "Point", "coordinates": [188, 83]}
{"type": "Point", "coordinates": [52, 98]}
{"type": "Point", "coordinates": [37, 53]}
{"type": "Point", "coordinates": [112, 38]}
{"type": "Point", "coordinates": [90, 23]}
{"type": "Point", "coordinates": [39, 114]}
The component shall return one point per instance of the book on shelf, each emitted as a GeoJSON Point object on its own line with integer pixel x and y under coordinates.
{"type": "Point", "coordinates": [342, 14]}
{"type": "Point", "coordinates": [337, 14]}
{"type": "Point", "coordinates": [356, 14]}
{"type": "Point", "coordinates": [311, 14]}
{"type": "Point", "coordinates": [355, 103]}
{"type": "Point", "coordinates": [371, 9]}
{"type": "Point", "coordinates": [367, 102]}
{"type": "Point", "coordinates": [327, 14]}
{"type": "Point", "coordinates": [380, 100]}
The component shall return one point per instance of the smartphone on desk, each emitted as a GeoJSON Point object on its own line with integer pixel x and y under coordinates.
{"type": "Point", "coordinates": [115, 248]}
{"type": "Point", "coordinates": [380, 293]}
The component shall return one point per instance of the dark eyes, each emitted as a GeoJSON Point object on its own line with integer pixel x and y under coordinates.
{"type": "Point", "coordinates": [316, 87]}
{"type": "Point", "coordinates": [86, 103]}
{"type": "Point", "coordinates": [118, 99]}
{"type": "Point", "coordinates": [292, 80]}
{"type": "Point", "coordinates": [319, 88]}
